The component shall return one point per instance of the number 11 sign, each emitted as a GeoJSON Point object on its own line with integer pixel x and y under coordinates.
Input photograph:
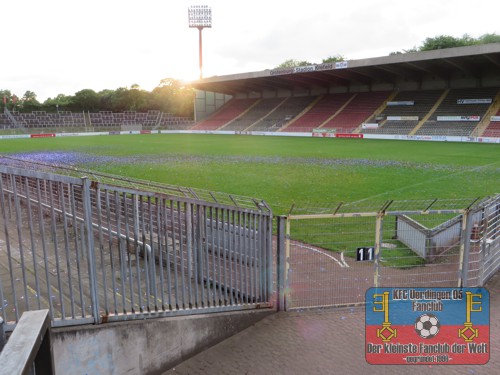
{"type": "Point", "coordinates": [365, 253]}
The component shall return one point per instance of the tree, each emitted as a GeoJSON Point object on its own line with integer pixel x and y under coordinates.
{"type": "Point", "coordinates": [441, 42]}
{"type": "Point", "coordinates": [86, 100]}
{"type": "Point", "coordinates": [29, 96]}
{"type": "Point", "coordinates": [170, 95]}
{"type": "Point", "coordinates": [467, 40]}
{"type": "Point", "coordinates": [5, 95]}
{"type": "Point", "coordinates": [411, 50]}
{"type": "Point", "coordinates": [119, 101]}
{"type": "Point", "coordinates": [447, 41]}
{"type": "Point", "coordinates": [60, 103]}
{"type": "Point", "coordinates": [489, 38]}
{"type": "Point", "coordinates": [28, 102]}
{"type": "Point", "coordinates": [136, 99]}
{"type": "Point", "coordinates": [293, 64]}
{"type": "Point", "coordinates": [336, 58]}
{"type": "Point", "coordinates": [106, 98]}
{"type": "Point", "coordinates": [173, 96]}
{"type": "Point", "coordinates": [184, 102]}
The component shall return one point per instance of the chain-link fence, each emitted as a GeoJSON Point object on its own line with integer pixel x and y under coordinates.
{"type": "Point", "coordinates": [330, 259]}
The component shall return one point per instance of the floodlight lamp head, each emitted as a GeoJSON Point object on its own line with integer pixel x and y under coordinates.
{"type": "Point", "coordinates": [200, 16]}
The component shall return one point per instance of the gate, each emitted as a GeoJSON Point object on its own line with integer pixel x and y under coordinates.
{"type": "Point", "coordinates": [484, 258]}
{"type": "Point", "coordinates": [331, 259]}
{"type": "Point", "coordinates": [100, 249]}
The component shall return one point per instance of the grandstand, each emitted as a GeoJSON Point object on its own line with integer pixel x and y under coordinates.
{"type": "Point", "coordinates": [459, 112]}
{"type": "Point", "coordinates": [450, 92]}
{"type": "Point", "coordinates": [170, 122]}
{"type": "Point", "coordinates": [69, 121]}
{"type": "Point", "coordinates": [254, 114]}
{"type": "Point", "coordinates": [454, 112]}
{"type": "Point", "coordinates": [229, 112]}
{"type": "Point", "coordinates": [128, 118]}
{"type": "Point", "coordinates": [404, 113]}
{"type": "Point", "coordinates": [493, 129]}
{"type": "Point", "coordinates": [43, 120]}
{"type": "Point", "coordinates": [283, 113]}
{"type": "Point", "coordinates": [323, 109]}
{"type": "Point", "coordinates": [358, 110]}
{"type": "Point", "coordinates": [5, 122]}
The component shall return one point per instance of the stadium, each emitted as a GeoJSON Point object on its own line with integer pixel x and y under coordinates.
{"type": "Point", "coordinates": [421, 95]}
{"type": "Point", "coordinates": [449, 94]}
{"type": "Point", "coordinates": [357, 174]}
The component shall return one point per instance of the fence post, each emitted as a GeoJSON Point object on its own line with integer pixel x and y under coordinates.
{"type": "Point", "coordinates": [189, 250]}
{"type": "Point", "coordinates": [281, 263]}
{"type": "Point", "coordinates": [2, 333]}
{"type": "Point", "coordinates": [199, 236]}
{"type": "Point", "coordinates": [483, 242]}
{"type": "Point", "coordinates": [464, 248]}
{"type": "Point", "coordinates": [269, 252]}
{"type": "Point", "coordinates": [378, 241]}
{"type": "Point", "coordinates": [87, 215]}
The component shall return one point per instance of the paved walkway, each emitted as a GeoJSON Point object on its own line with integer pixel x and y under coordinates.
{"type": "Point", "coordinates": [321, 342]}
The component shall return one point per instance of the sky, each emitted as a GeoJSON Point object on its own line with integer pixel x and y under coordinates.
{"type": "Point", "coordinates": [56, 47]}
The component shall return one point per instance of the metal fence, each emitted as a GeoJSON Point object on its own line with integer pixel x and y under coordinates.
{"type": "Point", "coordinates": [330, 259]}
{"type": "Point", "coordinates": [93, 252]}
{"type": "Point", "coordinates": [103, 248]}
{"type": "Point", "coordinates": [483, 259]}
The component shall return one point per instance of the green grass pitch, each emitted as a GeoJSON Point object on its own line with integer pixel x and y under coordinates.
{"type": "Point", "coordinates": [307, 172]}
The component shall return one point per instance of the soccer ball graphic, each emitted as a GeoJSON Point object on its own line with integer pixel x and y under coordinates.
{"type": "Point", "coordinates": [427, 326]}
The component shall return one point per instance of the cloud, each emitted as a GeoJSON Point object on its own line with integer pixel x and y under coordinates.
{"type": "Point", "coordinates": [60, 46]}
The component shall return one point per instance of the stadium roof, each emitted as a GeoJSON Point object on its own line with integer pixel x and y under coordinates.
{"type": "Point", "coordinates": [472, 61]}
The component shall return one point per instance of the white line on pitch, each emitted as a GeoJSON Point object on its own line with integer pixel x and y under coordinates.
{"type": "Point", "coordinates": [343, 260]}
{"type": "Point", "coordinates": [341, 263]}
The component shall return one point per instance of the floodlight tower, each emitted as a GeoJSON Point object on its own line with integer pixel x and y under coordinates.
{"type": "Point", "coordinates": [200, 16]}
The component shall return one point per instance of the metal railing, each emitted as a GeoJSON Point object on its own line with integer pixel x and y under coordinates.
{"type": "Point", "coordinates": [92, 252]}
{"type": "Point", "coordinates": [29, 349]}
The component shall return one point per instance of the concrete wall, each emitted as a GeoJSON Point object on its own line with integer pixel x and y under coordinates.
{"type": "Point", "coordinates": [207, 103]}
{"type": "Point", "coordinates": [146, 347]}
